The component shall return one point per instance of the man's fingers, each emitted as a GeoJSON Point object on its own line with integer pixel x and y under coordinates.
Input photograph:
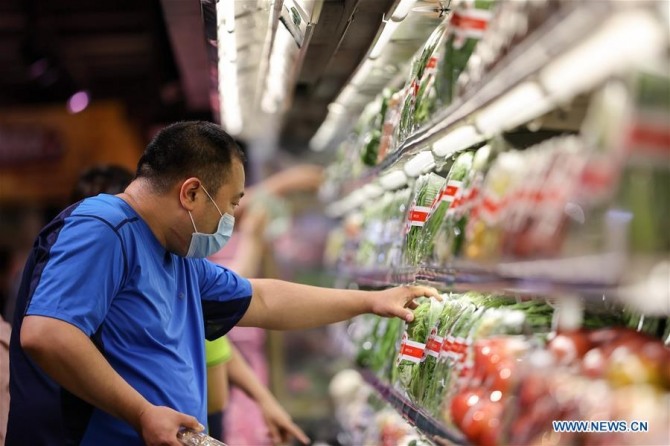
{"type": "Point", "coordinates": [190, 422]}
{"type": "Point", "coordinates": [412, 304]}
{"type": "Point", "coordinates": [420, 290]}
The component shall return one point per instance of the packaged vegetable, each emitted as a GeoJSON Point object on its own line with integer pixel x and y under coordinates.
{"type": "Point", "coordinates": [466, 27]}
{"type": "Point", "coordinates": [425, 193]}
{"type": "Point", "coordinates": [394, 227]}
{"type": "Point", "coordinates": [450, 192]}
{"type": "Point", "coordinates": [413, 345]}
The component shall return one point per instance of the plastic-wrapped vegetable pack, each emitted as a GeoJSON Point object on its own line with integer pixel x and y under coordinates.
{"type": "Point", "coordinates": [393, 228]}
{"type": "Point", "coordinates": [450, 235]}
{"type": "Point", "coordinates": [466, 27]}
{"type": "Point", "coordinates": [484, 229]}
{"type": "Point", "coordinates": [373, 232]}
{"type": "Point", "coordinates": [425, 193]}
{"type": "Point", "coordinates": [451, 192]}
{"type": "Point", "coordinates": [419, 96]}
{"type": "Point", "coordinates": [413, 345]}
{"type": "Point", "coordinates": [426, 99]}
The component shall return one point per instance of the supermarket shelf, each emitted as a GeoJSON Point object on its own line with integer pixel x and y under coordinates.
{"type": "Point", "coordinates": [561, 34]}
{"type": "Point", "coordinates": [415, 416]}
{"type": "Point", "coordinates": [593, 275]}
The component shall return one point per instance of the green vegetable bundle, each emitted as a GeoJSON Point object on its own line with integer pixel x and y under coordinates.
{"type": "Point", "coordinates": [425, 192]}
{"type": "Point", "coordinates": [450, 192]}
{"type": "Point", "coordinates": [393, 229]}
{"type": "Point", "coordinates": [449, 316]}
{"type": "Point", "coordinates": [413, 346]}
{"type": "Point", "coordinates": [385, 346]}
{"type": "Point", "coordinates": [361, 331]}
{"type": "Point", "coordinates": [466, 28]}
{"type": "Point", "coordinates": [451, 234]}
{"type": "Point", "coordinates": [451, 361]}
{"type": "Point", "coordinates": [372, 232]}
{"type": "Point", "coordinates": [426, 102]}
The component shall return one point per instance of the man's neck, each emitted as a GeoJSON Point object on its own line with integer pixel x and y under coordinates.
{"type": "Point", "coordinates": [148, 205]}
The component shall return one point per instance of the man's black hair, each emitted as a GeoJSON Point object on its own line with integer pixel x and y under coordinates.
{"type": "Point", "coordinates": [189, 149]}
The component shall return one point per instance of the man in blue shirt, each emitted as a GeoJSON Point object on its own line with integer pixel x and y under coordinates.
{"type": "Point", "coordinates": [116, 299]}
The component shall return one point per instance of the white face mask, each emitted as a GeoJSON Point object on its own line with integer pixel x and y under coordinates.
{"type": "Point", "coordinates": [204, 245]}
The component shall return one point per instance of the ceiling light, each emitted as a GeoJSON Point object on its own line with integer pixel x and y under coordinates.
{"type": "Point", "coordinates": [458, 139]}
{"type": "Point", "coordinates": [323, 136]}
{"type": "Point", "coordinates": [362, 72]}
{"type": "Point", "coordinates": [393, 180]}
{"type": "Point", "coordinates": [347, 94]}
{"type": "Point", "coordinates": [419, 164]}
{"type": "Point", "coordinates": [383, 39]}
{"type": "Point", "coordinates": [623, 41]}
{"type": "Point", "coordinates": [231, 112]}
{"type": "Point", "coordinates": [402, 9]}
{"type": "Point", "coordinates": [518, 106]}
{"type": "Point", "coordinates": [372, 191]}
{"type": "Point", "coordinates": [225, 9]}
{"type": "Point", "coordinates": [78, 102]}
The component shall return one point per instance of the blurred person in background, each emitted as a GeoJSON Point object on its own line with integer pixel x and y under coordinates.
{"type": "Point", "coordinates": [5, 332]}
{"type": "Point", "coordinates": [101, 179]}
{"type": "Point", "coordinates": [29, 222]}
{"type": "Point", "coordinates": [117, 298]}
{"type": "Point", "coordinates": [244, 420]}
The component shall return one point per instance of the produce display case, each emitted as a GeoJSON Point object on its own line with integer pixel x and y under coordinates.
{"type": "Point", "coordinates": [533, 191]}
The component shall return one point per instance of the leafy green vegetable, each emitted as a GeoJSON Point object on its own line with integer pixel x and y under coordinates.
{"type": "Point", "coordinates": [453, 184]}
{"type": "Point", "coordinates": [426, 189]}
{"type": "Point", "coordinates": [417, 331]}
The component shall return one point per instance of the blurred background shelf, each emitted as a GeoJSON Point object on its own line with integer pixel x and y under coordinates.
{"type": "Point", "coordinates": [580, 33]}
{"type": "Point", "coordinates": [426, 425]}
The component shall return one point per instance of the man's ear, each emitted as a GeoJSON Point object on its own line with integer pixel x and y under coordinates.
{"type": "Point", "coordinates": [188, 192]}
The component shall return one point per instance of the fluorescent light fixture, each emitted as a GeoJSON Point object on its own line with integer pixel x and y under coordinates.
{"type": "Point", "coordinates": [357, 198]}
{"type": "Point", "coordinates": [402, 9]}
{"type": "Point", "coordinates": [231, 112]}
{"type": "Point", "coordinates": [336, 108]}
{"type": "Point", "coordinates": [347, 94]}
{"type": "Point", "coordinates": [458, 139]}
{"type": "Point", "coordinates": [372, 191]}
{"type": "Point", "coordinates": [383, 39]}
{"type": "Point", "coordinates": [284, 50]}
{"type": "Point", "coordinates": [228, 9]}
{"type": "Point", "coordinates": [393, 180]}
{"type": "Point", "coordinates": [624, 40]}
{"type": "Point", "coordinates": [323, 136]}
{"type": "Point", "coordinates": [362, 72]}
{"type": "Point", "coordinates": [521, 104]}
{"type": "Point", "coordinates": [229, 45]}
{"type": "Point", "coordinates": [421, 162]}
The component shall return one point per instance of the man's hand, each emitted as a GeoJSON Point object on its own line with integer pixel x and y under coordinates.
{"type": "Point", "coordinates": [399, 301]}
{"type": "Point", "coordinates": [159, 425]}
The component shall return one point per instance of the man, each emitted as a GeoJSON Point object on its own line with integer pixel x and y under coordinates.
{"type": "Point", "coordinates": [116, 298]}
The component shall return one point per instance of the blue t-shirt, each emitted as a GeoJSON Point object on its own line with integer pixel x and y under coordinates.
{"type": "Point", "coordinates": [99, 267]}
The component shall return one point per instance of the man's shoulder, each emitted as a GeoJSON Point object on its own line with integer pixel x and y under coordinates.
{"type": "Point", "coordinates": [108, 209]}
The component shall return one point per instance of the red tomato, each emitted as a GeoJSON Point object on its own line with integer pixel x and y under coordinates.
{"type": "Point", "coordinates": [478, 417]}
{"type": "Point", "coordinates": [569, 347]}
{"type": "Point", "coordinates": [532, 388]}
{"type": "Point", "coordinates": [461, 404]}
{"type": "Point", "coordinates": [503, 376]}
{"type": "Point", "coordinates": [594, 363]}
{"type": "Point", "coordinates": [490, 434]}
